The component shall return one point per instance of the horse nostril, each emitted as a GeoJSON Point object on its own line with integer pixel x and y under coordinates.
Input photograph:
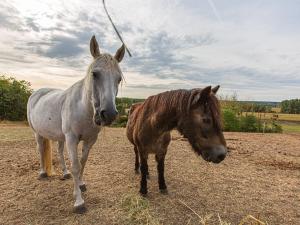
{"type": "Point", "coordinates": [103, 114]}
{"type": "Point", "coordinates": [221, 157]}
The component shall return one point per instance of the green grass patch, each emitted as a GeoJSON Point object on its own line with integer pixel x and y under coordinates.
{"type": "Point", "coordinates": [290, 128]}
{"type": "Point", "coordinates": [278, 116]}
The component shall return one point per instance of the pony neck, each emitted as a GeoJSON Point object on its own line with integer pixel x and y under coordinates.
{"type": "Point", "coordinates": [170, 108]}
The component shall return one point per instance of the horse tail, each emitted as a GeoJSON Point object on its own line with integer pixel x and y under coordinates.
{"type": "Point", "coordinates": [48, 157]}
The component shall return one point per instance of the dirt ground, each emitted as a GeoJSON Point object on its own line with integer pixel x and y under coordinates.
{"type": "Point", "coordinates": [260, 177]}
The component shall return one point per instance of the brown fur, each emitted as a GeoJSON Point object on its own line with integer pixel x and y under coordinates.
{"type": "Point", "coordinates": [149, 123]}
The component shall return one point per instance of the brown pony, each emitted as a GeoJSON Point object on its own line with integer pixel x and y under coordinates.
{"type": "Point", "coordinates": [196, 115]}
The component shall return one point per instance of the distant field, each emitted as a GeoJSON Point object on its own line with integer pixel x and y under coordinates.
{"type": "Point", "coordinates": [290, 127]}
{"type": "Point", "coordinates": [281, 116]}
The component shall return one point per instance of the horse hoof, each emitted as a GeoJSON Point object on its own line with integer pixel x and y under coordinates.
{"type": "Point", "coordinates": [148, 177]}
{"type": "Point", "coordinates": [42, 176]}
{"type": "Point", "coordinates": [137, 171]}
{"type": "Point", "coordinates": [164, 191]}
{"type": "Point", "coordinates": [67, 176]}
{"type": "Point", "coordinates": [80, 209]}
{"type": "Point", "coordinates": [143, 194]}
{"type": "Point", "coordinates": [82, 187]}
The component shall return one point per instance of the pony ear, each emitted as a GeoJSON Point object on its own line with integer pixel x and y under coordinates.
{"type": "Point", "coordinates": [94, 47]}
{"type": "Point", "coordinates": [120, 53]}
{"type": "Point", "coordinates": [201, 96]}
{"type": "Point", "coordinates": [215, 89]}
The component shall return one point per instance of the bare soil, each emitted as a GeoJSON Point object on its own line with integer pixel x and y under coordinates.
{"type": "Point", "coordinates": [260, 177]}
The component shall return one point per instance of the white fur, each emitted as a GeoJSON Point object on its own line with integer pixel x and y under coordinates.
{"type": "Point", "coordinates": [68, 115]}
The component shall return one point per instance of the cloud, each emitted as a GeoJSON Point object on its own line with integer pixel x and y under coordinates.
{"type": "Point", "coordinates": [254, 51]}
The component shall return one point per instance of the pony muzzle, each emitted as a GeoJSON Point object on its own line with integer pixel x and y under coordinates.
{"type": "Point", "coordinates": [105, 117]}
{"type": "Point", "coordinates": [214, 154]}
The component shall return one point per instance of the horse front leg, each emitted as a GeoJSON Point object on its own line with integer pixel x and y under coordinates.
{"type": "Point", "coordinates": [87, 145]}
{"type": "Point", "coordinates": [66, 173]}
{"type": "Point", "coordinates": [72, 144]}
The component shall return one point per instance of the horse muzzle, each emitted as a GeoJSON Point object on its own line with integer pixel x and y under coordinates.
{"type": "Point", "coordinates": [105, 117]}
{"type": "Point", "coordinates": [214, 154]}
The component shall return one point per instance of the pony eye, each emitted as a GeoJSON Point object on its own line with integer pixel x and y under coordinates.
{"type": "Point", "coordinates": [206, 120]}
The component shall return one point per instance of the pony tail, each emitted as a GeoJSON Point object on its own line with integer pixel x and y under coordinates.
{"type": "Point", "coordinates": [48, 157]}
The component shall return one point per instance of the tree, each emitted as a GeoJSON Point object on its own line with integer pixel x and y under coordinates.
{"type": "Point", "coordinates": [290, 106]}
{"type": "Point", "coordinates": [14, 95]}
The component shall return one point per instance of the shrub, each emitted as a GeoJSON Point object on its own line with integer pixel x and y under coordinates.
{"type": "Point", "coordinates": [230, 120]}
{"type": "Point", "coordinates": [249, 123]}
{"type": "Point", "coordinates": [14, 95]}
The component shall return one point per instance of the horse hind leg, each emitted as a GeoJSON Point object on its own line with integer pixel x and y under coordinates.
{"type": "Point", "coordinates": [144, 170]}
{"type": "Point", "coordinates": [66, 173]}
{"type": "Point", "coordinates": [137, 162]}
{"type": "Point", "coordinates": [160, 159]}
{"type": "Point", "coordinates": [44, 148]}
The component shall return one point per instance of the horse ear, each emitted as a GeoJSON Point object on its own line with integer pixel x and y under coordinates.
{"type": "Point", "coordinates": [201, 96]}
{"type": "Point", "coordinates": [94, 47]}
{"type": "Point", "coordinates": [120, 53]}
{"type": "Point", "coordinates": [215, 89]}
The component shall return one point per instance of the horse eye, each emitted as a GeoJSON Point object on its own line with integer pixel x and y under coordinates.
{"type": "Point", "coordinates": [206, 120]}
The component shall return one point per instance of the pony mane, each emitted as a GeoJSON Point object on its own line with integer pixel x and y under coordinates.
{"type": "Point", "coordinates": [179, 100]}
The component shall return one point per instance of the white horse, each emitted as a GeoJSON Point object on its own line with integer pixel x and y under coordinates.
{"type": "Point", "coordinates": [75, 115]}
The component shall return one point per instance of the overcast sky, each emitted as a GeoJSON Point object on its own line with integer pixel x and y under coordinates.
{"type": "Point", "coordinates": [251, 48]}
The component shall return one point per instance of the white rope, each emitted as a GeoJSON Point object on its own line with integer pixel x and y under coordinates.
{"type": "Point", "coordinates": [112, 23]}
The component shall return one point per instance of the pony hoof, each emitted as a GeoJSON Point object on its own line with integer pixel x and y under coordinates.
{"type": "Point", "coordinates": [67, 176]}
{"type": "Point", "coordinates": [164, 191]}
{"type": "Point", "coordinates": [80, 209]}
{"type": "Point", "coordinates": [82, 187]}
{"type": "Point", "coordinates": [42, 176]}
{"type": "Point", "coordinates": [143, 194]}
{"type": "Point", "coordinates": [137, 171]}
{"type": "Point", "coordinates": [148, 177]}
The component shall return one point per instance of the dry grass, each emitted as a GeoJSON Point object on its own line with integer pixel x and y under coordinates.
{"type": "Point", "coordinates": [259, 178]}
{"type": "Point", "coordinates": [137, 210]}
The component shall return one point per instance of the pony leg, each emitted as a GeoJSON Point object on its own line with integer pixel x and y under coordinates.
{"type": "Point", "coordinates": [72, 144]}
{"type": "Point", "coordinates": [160, 159]}
{"type": "Point", "coordinates": [85, 153]}
{"type": "Point", "coordinates": [41, 148]}
{"type": "Point", "coordinates": [137, 162]}
{"type": "Point", "coordinates": [144, 169]}
{"type": "Point", "coordinates": [66, 173]}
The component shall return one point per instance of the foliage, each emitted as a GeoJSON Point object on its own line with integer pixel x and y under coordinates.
{"type": "Point", "coordinates": [230, 120]}
{"type": "Point", "coordinates": [291, 106]}
{"type": "Point", "coordinates": [249, 123]}
{"type": "Point", "coordinates": [14, 95]}
{"type": "Point", "coordinates": [234, 118]}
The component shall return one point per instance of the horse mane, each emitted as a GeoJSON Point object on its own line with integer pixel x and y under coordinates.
{"type": "Point", "coordinates": [179, 101]}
